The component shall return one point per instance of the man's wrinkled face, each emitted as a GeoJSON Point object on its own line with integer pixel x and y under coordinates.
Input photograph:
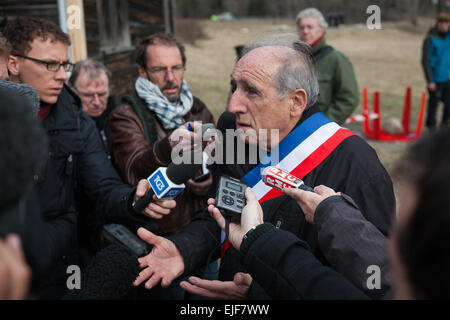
{"type": "Point", "coordinates": [309, 30]}
{"type": "Point", "coordinates": [94, 93]}
{"type": "Point", "coordinates": [255, 100]}
{"type": "Point", "coordinates": [165, 69]}
{"type": "Point", "coordinates": [47, 83]}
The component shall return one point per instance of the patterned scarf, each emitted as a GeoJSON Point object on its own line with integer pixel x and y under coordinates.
{"type": "Point", "coordinates": [171, 115]}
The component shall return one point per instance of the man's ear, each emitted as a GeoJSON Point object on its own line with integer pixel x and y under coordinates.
{"type": "Point", "coordinates": [13, 65]}
{"type": "Point", "coordinates": [297, 102]}
{"type": "Point", "coordinates": [142, 72]}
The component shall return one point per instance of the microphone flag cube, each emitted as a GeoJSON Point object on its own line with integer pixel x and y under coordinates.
{"type": "Point", "coordinates": [279, 179]}
{"type": "Point", "coordinates": [162, 186]}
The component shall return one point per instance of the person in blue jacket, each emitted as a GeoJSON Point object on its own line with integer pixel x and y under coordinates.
{"type": "Point", "coordinates": [436, 66]}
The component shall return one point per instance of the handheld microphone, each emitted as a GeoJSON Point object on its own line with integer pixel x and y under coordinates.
{"type": "Point", "coordinates": [167, 182]}
{"type": "Point", "coordinates": [279, 179]}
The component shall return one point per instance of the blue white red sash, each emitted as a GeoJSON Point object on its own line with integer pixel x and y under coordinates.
{"type": "Point", "coordinates": [299, 153]}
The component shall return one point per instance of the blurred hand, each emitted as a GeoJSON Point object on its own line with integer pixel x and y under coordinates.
{"type": "Point", "coordinates": [163, 264]}
{"type": "Point", "coordinates": [182, 137]}
{"type": "Point", "coordinates": [308, 200]}
{"type": "Point", "coordinates": [199, 188]}
{"type": "Point", "coordinates": [158, 208]}
{"type": "Point", "coordinates": [15, 274]}
{"type": "Point", "coordinates": [432, 86]}
{"type": "Point", "coordinates": [214, 289]}
{"type": "Point", "coordinates": [252, 216]}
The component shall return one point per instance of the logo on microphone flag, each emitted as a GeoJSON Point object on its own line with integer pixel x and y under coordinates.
{"type": "Point", "coordinates": [162, 186]}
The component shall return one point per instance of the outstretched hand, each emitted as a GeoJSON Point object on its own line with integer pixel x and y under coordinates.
{"type": "Point", "coordinates": [163, 264]}
{"type": "Point", "coordinates": [215, 289]}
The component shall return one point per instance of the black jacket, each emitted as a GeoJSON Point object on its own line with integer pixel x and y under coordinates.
{"type": "Point", "coordinates": [76, 157]}
{"type": "Point", "coordinates": [352, 168]}
{"type": "Point", "coordinates": [282, 264]}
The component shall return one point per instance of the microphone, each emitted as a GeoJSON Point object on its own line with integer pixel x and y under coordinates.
{"type": "Point", "coordinates": [108, 276]}
{"type": "Point", "coordinates": [167, 182]}
{"type": "Point", "coordinates": [279, 179]}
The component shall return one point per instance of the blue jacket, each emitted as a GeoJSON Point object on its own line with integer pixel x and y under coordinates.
{"type": "Point", "coordinates": [436, 57]}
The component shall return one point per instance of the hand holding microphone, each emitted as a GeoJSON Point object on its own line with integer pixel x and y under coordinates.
{"type": "Point", "coordinates": [165, 183]}
{"type": "Point", "coordinates": [307, 198]}
{"type": "Point", "coordinates": [277, 178]}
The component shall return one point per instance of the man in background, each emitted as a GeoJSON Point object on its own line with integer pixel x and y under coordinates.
{"type": "Point", "coordinates": [339, 94]}
{"type": "Point", "coordinates": [90, 79]}
{"type": "Point", "coordinates": [436, 66]}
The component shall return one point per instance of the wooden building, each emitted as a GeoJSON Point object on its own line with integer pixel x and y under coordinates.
{"type": "Point", "coordinates": [110, 29]}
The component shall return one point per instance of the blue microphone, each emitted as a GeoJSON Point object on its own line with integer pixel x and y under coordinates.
{"type": "Point", "coordinates": [167, 182]}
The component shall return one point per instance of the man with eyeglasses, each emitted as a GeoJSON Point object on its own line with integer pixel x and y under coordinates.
{"type": "Point", "coordinates": [339, 94]}
{"type": "Point", "coordinates": [144, 127]}
{"type": "Point", "coordinates": [75, 155]}
{"type": "Point", "coordinates": [90, 79]}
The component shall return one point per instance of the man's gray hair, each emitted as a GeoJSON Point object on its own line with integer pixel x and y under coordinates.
{"type": "Point", "coordinates": [296, 69]}
{"type": "Point", "coordinates": [92, 68]}
{"type": "Point", "coordinates": [314, 13]}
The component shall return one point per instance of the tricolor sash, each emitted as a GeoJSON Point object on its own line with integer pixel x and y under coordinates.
{"type": "Point", "coordinates": [299, 153]}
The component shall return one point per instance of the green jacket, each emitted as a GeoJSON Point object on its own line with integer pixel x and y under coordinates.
{"type": "Point", "coordinates": [339, 95]}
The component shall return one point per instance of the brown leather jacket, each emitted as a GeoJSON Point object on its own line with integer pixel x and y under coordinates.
{"type": "Point", "coordinates": [136, 158]}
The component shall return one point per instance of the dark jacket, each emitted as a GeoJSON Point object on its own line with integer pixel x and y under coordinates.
{"type": "Point", "coordinates": [353, 168]}
{"type": "Point", "coordinates": [141, 145]}
{"type": "Point", "coordinates": [103, 127]}
{"type": "Point", "coordinates": [352, 253]}
{"type": "Point", "coordinates": [284, 267]}
{"type": "Point", "coordinates": [339, 95]}
{"type": "Point", "coordinates": [76, 157]}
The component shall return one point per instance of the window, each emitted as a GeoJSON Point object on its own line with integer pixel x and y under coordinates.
{"type": "Point", "coordinates": [114, 26]}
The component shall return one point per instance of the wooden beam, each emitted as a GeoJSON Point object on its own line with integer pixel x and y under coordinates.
{"type": "Point", "coordinates": [77, 29]}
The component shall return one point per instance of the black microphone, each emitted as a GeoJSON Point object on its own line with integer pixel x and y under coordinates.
{"type": "Point", "coordinates": [168, 182]}
{"type": "Point", "coordinates": [108, 276]}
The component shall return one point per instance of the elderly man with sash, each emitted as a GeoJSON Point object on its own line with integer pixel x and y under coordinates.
{"type": "Point", "coordinates": [275, 88]}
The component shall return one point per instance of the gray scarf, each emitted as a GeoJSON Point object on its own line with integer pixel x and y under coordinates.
{"type": "Point", "coordinates": [171, 115]}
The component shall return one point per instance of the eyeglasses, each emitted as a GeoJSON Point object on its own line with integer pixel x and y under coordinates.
{"type": "Point", "coordinates": [51, 66]}
{"type": "Point", "coordinates": [162, 71]}
{"type": "Point", "coordinates": [91, 96]}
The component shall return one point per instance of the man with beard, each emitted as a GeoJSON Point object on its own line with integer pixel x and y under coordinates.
{"type": "Point", "coordinates": [143, 126]}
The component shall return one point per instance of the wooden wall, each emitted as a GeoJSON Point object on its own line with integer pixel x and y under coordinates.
{"type": "Point", "coordinates": [145, 18]}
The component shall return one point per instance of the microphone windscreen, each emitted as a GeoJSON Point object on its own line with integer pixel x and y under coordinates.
{"type": "Point", "coordinates": [180, 173]}
{"type": "Point", "coordinates": [108, 276]}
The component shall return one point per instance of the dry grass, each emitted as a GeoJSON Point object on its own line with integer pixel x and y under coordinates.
{"type": "Point", "coordinates": [386, 60]}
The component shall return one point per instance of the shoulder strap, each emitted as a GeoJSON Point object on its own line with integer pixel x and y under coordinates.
{"type": "Point", "coordinates": [319, 54]}
{"type": "Point", "coordinates": [145, 115]}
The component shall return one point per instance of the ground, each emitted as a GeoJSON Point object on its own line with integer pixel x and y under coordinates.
{"type": "Point", "coordinates": [386, 60]}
